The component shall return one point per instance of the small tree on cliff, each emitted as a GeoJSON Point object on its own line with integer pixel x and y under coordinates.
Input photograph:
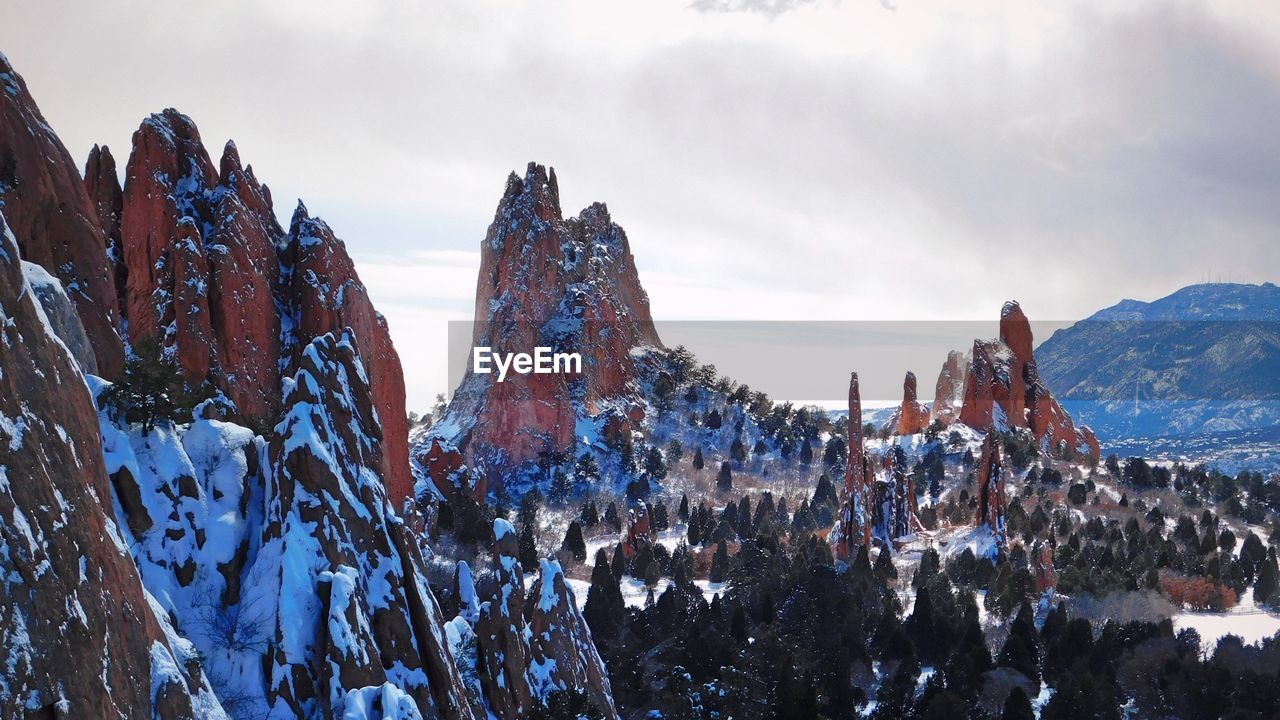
{"type": "Point", "coordinates": [152, 389]}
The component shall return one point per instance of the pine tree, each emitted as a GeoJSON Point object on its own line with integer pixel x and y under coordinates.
{"type": "Point", "coordinates": [684, 508]}
{"type": "Point", "coordinates": [574, 542]}
{"type": "Point", "coordinates": [675, 451]}
{"type": "Point", "coordinates": [1018, 706]}
{"type": "Point", "coordinates": [806, 453]}
{"type": "Point", "coordinates": [612, 518]}
{"type": "Point", "coordinates": [724, 481]}
{"type": "Point", "coordinates": [1267, 589]}
{"type": "Point", "coordinates": [738, 450]}
{"type": "Point", "coordinates": [618, 565]}
{"type": "Point", "coordinates": [720, 563]}
{"type": "Point", "coordinates": [698, 462]}
{"type": "Point", "coordinates": [604, 610]}
{"type": "Point", "coordinates": [527, 552]}
{"type": "Point", "coordinates": [652, 574]}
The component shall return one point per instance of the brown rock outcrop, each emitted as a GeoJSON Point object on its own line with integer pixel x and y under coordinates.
{"type": "Point", "coordinates": [534, 645]}
{"type": "Point", "coordinates": [1003, 390]}
{"type": "Point", "coordinates": [324, 293]}
{"type": "Point", "coordinates": [53, 218]}
{"type": "Point", "coordinates": [855, 521]}
{"type": "Point", "coordinates": [912, 416]}
{"type": "Point", "coordinates": [991, 494]}
{"type": "Point", "coordinates": [347, 561]}
{"type": "Point", "coordinates": [948, 394]}
{"type": "Point", "coordinates": [102, 183]}
{"type": "Point", "coordinates": [78, 634]}
{"type": "Point", "coordinates": [203, 258]}
{"type": "Point", "coordinates": [546, 280]}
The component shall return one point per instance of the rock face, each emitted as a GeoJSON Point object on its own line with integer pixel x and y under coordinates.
{"type": "Point", "coordinates": [53, 218]}
{"type": "Point", "coordinates": [894, 512]}
{"type": "Point", "coordinates": [281, 558]}
{"type": "Point", "coordinates": [569, 284]}
{"type": "Point", "coordinates": [948, 394]}
{"type": "Point", "coordinates": [102, 182]}
{"type": "Point", "coordinates": [855, 522]}
{"type": "Point", "coordinates": [72, 599]}
{"type": "Point", "coordinates": [210, 272]}
{"type": "Point", "coordinates": [325, 294]}
{"type": "Point", "coordinates": [61, 316]}
{"type": "Point", "coordinates": [534, 645]}
{"type": "Point", "coordinates": [912, 416]}
{"type": "Point", "coordinates": [339, 560]}
{"type": "Point", "coordinates": [991, 496]}
{"type": "Point", "coordinates": [1002, 390]}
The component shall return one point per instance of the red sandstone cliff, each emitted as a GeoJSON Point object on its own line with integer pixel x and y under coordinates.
{"type": "Point", "coordinates": [1003, 390]}
{"type": "Point", "coordinates": [546, 280]}
{"type": "Point", "coordinates": [53, 218]}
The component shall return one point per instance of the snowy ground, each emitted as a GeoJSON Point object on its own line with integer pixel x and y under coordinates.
{"type": "Point", "coordinates": [1246, 621]}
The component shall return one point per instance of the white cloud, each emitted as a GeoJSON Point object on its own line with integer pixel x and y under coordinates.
{"type": "Point", "coordinates": [836, 161]}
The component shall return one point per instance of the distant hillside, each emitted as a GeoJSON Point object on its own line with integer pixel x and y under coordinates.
{"type": "Point", "coordinates": [1205, 359]}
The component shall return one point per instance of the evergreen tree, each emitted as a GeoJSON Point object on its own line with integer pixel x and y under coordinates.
{"type": "Point", "coordinates": [654, 464]}
{"type": "Point", "coordinates": [806, 453]}
{"type": "Point", "coordinates": [724, 481]}
{"type": "Point", "coordinates": [618, 565]}
{"type": "Point", "coordinates": [738, 450]}
{"type": "Point", "coordinates": [152, 388]}
{"type": "Point", "coordinates": [527, 552]}
{"type": "Point", "coordinates": [612, 518]}
{"type": "Point", "coordinates": [1018, 706]}
{"type": "Point", "coordinates": [574, 542]}
{"type": "Point", "coordinates": [1267, 588]}
{"type": "Point", "coordinates": [684, 508]}
{"type": "Point", "coordinates": [720, 563]}
{"type": "Point", "coordinates": [698, 462]}
{"type": "Point", "coordinates": [675, 451]}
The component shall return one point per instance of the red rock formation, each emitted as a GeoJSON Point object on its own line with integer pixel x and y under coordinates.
{"type": "Point", "coordinates": [1003, 390]}
{"type": "Point", "coordinates": [855, 523]}
{"type": "Point", "coordinates": [78, 633]}
{"type": "Point", "coordinates": [639, 532]}
{"type": "Point", "coordinates": [103, 185]}
{"type": "Point", "coordinates": [203, 256]}
{"type": "Point", "coordinates": [45, 203]}
{"type": "Point", "coordinates": [533, 645]}
{"type": "Point", "coordinates": [912, 416]}
{"type": "Point", "coordinates": [545, 279]}
{"type": "Point", "coordinates": [948, 395]}
{"type": "Point", "coordinates": [991, 496]}
{"type": "Point", "coordinates": [326, 293]}
{"type": "Point", "coordinates": [1046, 577]}
{"type": "Point", "coordinates": [562, 641]}
{"type": "Point", "coordinates": [331, 537]}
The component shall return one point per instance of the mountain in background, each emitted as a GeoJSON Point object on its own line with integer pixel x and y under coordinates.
{"type": "Point", "coordinates": [1204, 360]}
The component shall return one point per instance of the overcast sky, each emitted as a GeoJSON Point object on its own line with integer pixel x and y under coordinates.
{"type": "Point", "coordinates": [770, 159]}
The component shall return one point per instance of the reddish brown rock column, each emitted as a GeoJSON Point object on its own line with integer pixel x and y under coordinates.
{"type": "Point", "coordinates": [856, 523]}
{"type": "Point", "coordinates": [102, 183]}
{"type": "Point", "coordinates": [991, 498]}
{"type": "Point", "coordinates": [912, 416]}
{"type": "Point", "coordinates": [53, 219]}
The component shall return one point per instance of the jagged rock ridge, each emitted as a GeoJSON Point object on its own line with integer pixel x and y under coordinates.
{"type": "Point", "coordinates": [53, 218]}
{"type": "Point", "coordinates": [545, 280]}
{"type": "Point", "coordinates": [70, 596]}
